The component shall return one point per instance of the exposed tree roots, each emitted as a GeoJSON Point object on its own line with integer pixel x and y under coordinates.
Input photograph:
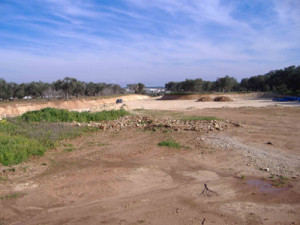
{"type": "Point", "coordinates": [207, 192]}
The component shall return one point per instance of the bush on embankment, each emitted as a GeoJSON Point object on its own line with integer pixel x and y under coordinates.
{"type": "Point", "coordinates": [60, 115]}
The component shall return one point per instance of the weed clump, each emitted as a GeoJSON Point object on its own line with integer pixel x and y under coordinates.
{"type": "Point", "coordinates": [9, 196]}
{"type": "Point", "coordinates": [68, 149]}
{"type": "Point", "coordinates": [170, 143]}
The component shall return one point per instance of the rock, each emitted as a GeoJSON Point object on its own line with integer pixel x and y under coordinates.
{"type": "Point", "coordinates": [102, 127]}
{"type": "Point", "coordinates": [236, 124]}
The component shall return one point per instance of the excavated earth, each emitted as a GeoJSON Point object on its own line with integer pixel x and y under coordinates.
{"type": "Point", "coordinates": [241, 169]}
{"type": "Point", "coordinates": [93, 104]}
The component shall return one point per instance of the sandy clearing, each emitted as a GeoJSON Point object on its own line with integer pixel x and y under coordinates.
{"type": "Point", "coordinates": [157, 104]}
{"type": "Point", "coordinates": [139, 102]}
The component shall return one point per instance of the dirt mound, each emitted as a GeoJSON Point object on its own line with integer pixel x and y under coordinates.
{"type": "Point", "coordinates": [205, 99]}
{"type": "Point", "coordinates": [222, 99]}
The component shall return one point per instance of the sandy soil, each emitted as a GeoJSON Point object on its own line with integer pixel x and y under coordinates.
{"type": "Point", "coordinates": [124, 177]}
{"type": "Point", "coordinates": [157, 104]}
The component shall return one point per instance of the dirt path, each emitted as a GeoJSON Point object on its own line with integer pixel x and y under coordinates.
{"type": "Point", "coordinates": [263, 157]}
{"type": "Point", "coordinates": [124, 177]}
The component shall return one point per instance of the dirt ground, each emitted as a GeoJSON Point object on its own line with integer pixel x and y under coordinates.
{"type": "Point", "coordinates": [182, 105]}
{"type": "Point", "coordinates": [252, 172]}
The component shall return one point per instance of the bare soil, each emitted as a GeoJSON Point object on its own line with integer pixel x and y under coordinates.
{"type": "Point", "coordinates": [123, 177]}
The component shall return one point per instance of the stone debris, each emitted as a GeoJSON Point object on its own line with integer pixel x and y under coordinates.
{"type": "Point", "coordinates": [160, 123]}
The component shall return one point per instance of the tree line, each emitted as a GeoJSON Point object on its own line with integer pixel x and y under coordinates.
{"type": "Point", "coordinates": [59, 89]}
{"type": "Point", "coordinates": [285, 81]}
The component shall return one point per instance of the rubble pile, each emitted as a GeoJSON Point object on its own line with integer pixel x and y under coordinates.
{"type": "Point", "coordinates": [160, 123]}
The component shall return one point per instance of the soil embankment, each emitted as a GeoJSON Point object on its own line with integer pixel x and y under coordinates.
{"type": "Point", "coordinates": [15, 109]}
{"type": "Point", "coordinates": [233, 96]}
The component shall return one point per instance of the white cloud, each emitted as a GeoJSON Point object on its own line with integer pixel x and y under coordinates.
{"type": "Point", "coordinates": [147, 40]}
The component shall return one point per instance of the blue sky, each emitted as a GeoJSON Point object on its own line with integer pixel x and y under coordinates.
{"type": "Point", "coordinates": [149, 41]}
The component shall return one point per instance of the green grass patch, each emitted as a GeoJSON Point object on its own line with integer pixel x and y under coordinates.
{"type": "Point", "coordinates": [170, 143]}
{"type": "Point", "coordinates": [69, 149]}
{"type": "Point", "coordinates": [68, 145]}
{"type": "Point", "coordinates": [3, 179]}
{"type": "Point", "coordinates": [167, 131]}
{"type": "Point", "coordinates": [196, 118]}
{"type": "Point", "coordinates": [35, 132]}
{"type": "Point", "coordinates": [283, 178]}
{"type": "Point", "coordinates": [60, 115]}
{"type": "Point", "coordinates": [9, 196]}
{"type": "Point", "coordinates": [278, 183]}
{"type": "Point", "coordinates": [15, 149]}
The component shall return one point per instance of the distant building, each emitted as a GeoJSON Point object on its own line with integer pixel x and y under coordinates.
{"type": "Point", "coordinates": [155, 90]}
